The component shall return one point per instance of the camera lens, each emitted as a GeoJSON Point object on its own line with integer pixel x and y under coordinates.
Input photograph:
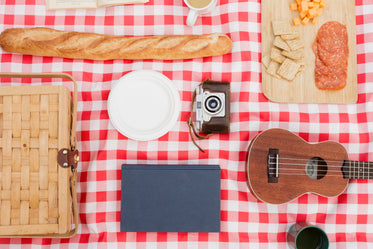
{"type": "Point", "coordinates": [213, 104]}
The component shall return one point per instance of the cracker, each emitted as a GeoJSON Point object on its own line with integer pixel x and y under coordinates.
{"type": "Point", "coordinates": [290, 36]}
{"type": "Point", "coordinates": [295, 55]}
{"type": "Point", "coordinates": [288, 69]}
{"type": "Point", "coordinates": [276, 55]}
{"type": "Point", "coordinates": [273, 68]}
{"type": "Point", "coordinates": [281, 27]}
{"type": "Point", "coordinates": [266, 60]}
{"type": "Point", "coordinates": [303, 65]}
{"type": "Point", "coordinates": [278, 42]}
{"type": "Point", "coordinates": [295, 44]}
{"type": "Point", "coordinates": [300, 70]}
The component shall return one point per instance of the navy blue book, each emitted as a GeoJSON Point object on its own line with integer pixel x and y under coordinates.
{"type": "Point", "coordinates": [170, 198]}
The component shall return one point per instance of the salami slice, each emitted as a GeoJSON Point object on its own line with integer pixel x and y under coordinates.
{"type": "Point", "coordinates": [331, 51]}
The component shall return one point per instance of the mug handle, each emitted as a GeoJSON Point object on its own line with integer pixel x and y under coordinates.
{"type": "Point", "coordinates": [192, 17]}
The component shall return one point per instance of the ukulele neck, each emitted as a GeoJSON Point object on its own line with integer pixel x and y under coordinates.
{"type": "Point", "coordinates": [357, 170]}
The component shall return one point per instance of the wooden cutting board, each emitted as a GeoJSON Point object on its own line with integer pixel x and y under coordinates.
{"type": "Point", "coordinates": [303, 89]}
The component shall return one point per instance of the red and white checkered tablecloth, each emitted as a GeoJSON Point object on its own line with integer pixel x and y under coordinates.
{"type": "Point", "coordinates": [245, 222]}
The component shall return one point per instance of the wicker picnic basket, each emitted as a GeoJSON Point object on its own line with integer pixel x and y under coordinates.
{"type": "Point", "coordinates": [38, 159]}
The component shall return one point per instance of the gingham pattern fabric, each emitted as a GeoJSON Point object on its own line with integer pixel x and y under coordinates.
{"type": "Point", "coordinates": [245, 222]}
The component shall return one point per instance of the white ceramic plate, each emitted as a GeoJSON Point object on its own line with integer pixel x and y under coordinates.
{"type": "Point", "coordinates": [144, 105]}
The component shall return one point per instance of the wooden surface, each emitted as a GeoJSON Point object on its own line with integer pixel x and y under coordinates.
{"type": "Point", "coordinates": [35, 190]}
{"type": "Point", "coordinates": [303, 89]}
{"type": "Point", "coordinates": [292, 186]}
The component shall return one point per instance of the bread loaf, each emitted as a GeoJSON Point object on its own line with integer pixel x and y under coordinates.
{"type": "Point", "coordinates": [78, 45]}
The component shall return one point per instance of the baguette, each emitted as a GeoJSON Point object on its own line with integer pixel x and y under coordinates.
{"type": "Point", "coordinates": [78, 45]}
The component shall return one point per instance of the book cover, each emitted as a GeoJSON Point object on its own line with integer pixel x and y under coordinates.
{"type": "Point", "coordinates": [170, 198]}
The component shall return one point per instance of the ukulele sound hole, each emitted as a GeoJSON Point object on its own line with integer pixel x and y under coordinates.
{"type": "Point", "coordinates": [316, 168]}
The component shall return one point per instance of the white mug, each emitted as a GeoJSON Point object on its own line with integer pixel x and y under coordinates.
{"type": "Point", "coordinates": [195, 12]}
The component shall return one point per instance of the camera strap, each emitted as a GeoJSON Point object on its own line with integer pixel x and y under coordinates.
{"type": "Point", "coordinates": [192, 130]}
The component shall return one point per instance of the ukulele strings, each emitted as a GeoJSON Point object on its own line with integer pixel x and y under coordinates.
{"type": "Point", "coordinates": [303, 169]}
{"type": "Point", "coordinates": [331, 175]}
{"type": "Point", "coordinates": [322, 173]}
{"type": "Point", "coordinates": [300, 164]}
{"type": "Point", "coordinates": [317, 161]}
{"type": "Point", "coordinates": [351, 172]}
{"type": "Point", "coordinates": [350, 175]}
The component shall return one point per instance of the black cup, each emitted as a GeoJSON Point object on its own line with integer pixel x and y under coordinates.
{"type": "Point", "coordinates": [303, 235]}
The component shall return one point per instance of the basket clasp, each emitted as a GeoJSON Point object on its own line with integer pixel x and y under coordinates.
{"type": "Point", "coordinates": [68, 158]}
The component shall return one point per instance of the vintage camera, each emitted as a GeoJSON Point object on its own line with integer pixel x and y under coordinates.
{"type": "Point", "coordinates": [213, 107]}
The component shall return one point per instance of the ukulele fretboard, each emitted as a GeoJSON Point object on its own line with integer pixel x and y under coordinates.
{"type": "Point", "coordinates": [357, 170]}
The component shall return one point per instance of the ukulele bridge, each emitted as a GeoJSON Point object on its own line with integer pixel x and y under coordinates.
{"type": "Point", "coordinates": [273, 165]}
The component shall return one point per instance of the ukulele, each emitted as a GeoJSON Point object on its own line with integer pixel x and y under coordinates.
{"type": "Point", "coordinates": [281, 166]}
